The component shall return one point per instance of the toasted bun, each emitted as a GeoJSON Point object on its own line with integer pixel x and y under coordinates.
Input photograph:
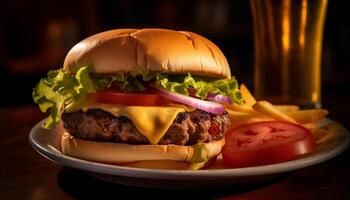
{"type": "Point", "coordinates": [162, 50]}
{"type": "Point", "coordinates": [149, 156]}
{"type": "Point", "coordinates": [168, 164]}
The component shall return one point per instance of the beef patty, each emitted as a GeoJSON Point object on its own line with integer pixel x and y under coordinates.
{"type": "Point", "coordinates": [188, 127]}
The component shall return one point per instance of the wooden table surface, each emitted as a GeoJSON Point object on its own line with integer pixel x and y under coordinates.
{"type": "Point", "coordinates": [24, 174]}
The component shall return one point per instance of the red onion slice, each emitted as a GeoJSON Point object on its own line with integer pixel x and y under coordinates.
{"type": "Point", "coordinates": [219, 98]}
{"type": "Point", "coordinates": [207, 106]}
{"type": "Point", "coordinates": [211, 96]}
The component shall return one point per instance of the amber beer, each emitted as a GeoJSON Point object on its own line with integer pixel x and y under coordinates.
{"type": "Point", "coordinates": [288, 44]}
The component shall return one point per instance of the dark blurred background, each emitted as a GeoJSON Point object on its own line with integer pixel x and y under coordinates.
{"type": "Point", "coordinates": [36, 35]}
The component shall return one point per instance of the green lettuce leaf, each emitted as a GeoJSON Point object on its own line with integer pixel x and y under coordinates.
{"type": "Point", "coordinates": [85, 83]}
{"type": "Point", "coordinates": [129, 82]}
{"type": "Point", "coordinates": [202, 86]}
{"type": "Point", "coordinates": [60, 88]}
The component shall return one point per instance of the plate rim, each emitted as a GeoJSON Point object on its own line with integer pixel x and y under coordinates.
{"type": "Point", "coordinates": [116, 170]}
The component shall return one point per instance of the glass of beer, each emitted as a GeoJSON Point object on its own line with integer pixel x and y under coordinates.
{"type": "Point", "coordinates": [288, 46]}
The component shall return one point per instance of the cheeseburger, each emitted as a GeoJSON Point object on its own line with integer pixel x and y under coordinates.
{"type": "Point", "coordinates": [150, 98]}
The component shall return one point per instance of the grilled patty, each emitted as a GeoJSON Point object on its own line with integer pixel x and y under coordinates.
{"type": "Point", "coordinates": [188, 127]}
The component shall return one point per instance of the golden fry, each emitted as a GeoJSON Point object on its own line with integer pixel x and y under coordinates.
{"type": "Point", "coordinates": [286, 108]}
{"type": "Point", "coordinates": [308, 116]}
{"type": "Point", "coordinates": [322, 135]}
{"type": "Point", "coordinates": [247, 95]}
{"type": "Point", "coordinates": [310, 125]}
{"type": "Point", "coordinates": [239, 118]}
{"type": "Point", "coordinates": [240, 108]}
{"type": "Point", "coordinates": [267, 109]}
{"type": "Point", "coordinates": [319, 134]}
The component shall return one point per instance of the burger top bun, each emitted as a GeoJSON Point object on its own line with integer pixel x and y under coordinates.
{"type": "Point", "coordinates": [167, 51]}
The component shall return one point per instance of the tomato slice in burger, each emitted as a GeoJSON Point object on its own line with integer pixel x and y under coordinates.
{"type": "Point", "coordinates": [129, 98]}
{"type": "Point", "coordinates": [266, 143]}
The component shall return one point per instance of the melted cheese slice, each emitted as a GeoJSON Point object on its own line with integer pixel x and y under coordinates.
{"type": "Point", "coordinates": [152, 121]}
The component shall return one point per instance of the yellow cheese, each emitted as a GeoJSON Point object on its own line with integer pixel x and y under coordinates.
{"type": "Point", "coordinates": [151, 121]}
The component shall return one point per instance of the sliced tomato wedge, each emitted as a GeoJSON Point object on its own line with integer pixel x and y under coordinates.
{"type": "Point", "coordinates": [266, 143]}
{"type": "Point", "coordinates": [129, 98]}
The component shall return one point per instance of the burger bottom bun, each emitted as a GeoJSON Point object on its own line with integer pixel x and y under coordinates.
{"type": "Point", "coordinates": [169, 164]}
{"type": "Point", "coordinates": [142, 156]}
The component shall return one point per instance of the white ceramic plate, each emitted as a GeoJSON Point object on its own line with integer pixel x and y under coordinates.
{"type": "Point", "coordinates": [47, 143]}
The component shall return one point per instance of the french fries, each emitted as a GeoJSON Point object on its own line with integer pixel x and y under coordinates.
{"type": "Point", "coordinates": [322, 135]}
{"type": "Point", "coordinates": [256, 111]}
{"type": "Point", "coordinates": [241, 108]}
{"type": "Point", "coordinates": [286, 108]}
{"type": "Point", "coordinates": [239, 118]}
{"type": "Point", "coordinates": [267, 109]}
{"type": "Point", "coordinates": [310, 125]}
{"type": "Point", "coordinates": [247, 95]}
{"type": "Point", "coordinates": [308, 116]}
